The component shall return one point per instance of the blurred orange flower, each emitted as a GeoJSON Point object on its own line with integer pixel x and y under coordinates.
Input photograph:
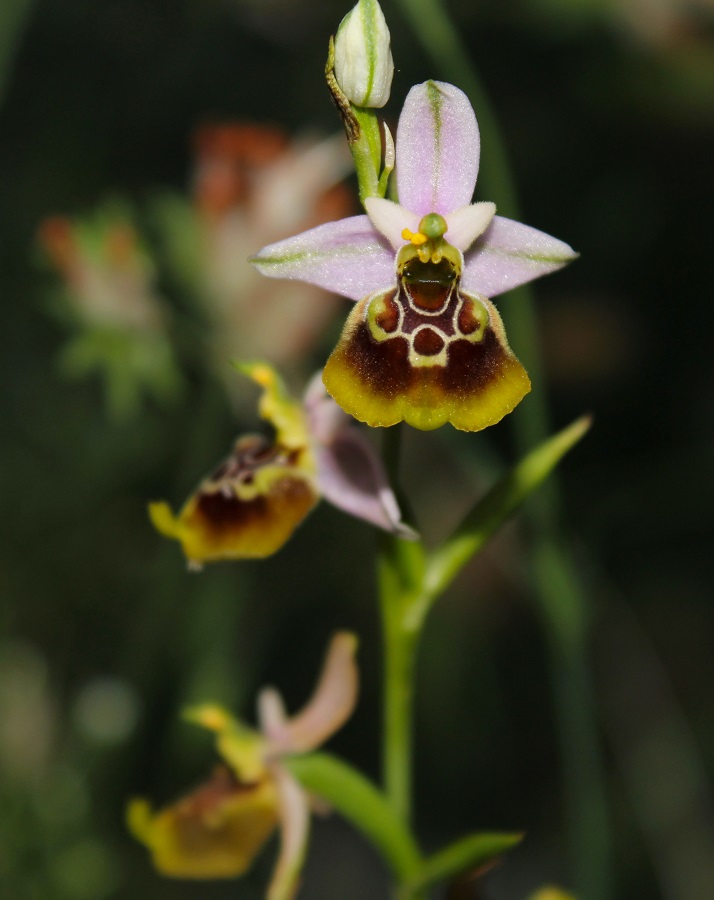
{"type": "Point", "coordinates": [253, 185]}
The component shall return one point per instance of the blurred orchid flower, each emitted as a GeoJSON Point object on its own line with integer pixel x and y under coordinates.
{"type": "Point", "coordinates": [217, 830]}
{"type": "Point", "coordinates": [253, 185]}
{"type": "Point", "coordinates": [424, 344]}
{"type": "Point", "coordinates": [109, 301]}
{"type": "Point", "coordinates": [256, 498]}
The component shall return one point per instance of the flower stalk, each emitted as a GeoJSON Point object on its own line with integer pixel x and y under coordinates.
{"type": "Point", "coordinates": [364, 136]}
{"type": "Point", "coordinates": [401, 639]}
{"type": "Point", "coordinates": [359, 74]}
{"type": "Point", "coordinates": [410, 582]}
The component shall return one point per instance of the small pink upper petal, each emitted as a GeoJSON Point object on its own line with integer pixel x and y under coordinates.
{"type": "Point", "coordinates": [325, 418]}
{"type": "Point", "coordinates": [347, 257]}
{"type": "Point", "coordinates": [438, 149]}
{"type": "Point", "coordinates": [509, 254]}
{"type": "Point", "coordinates": [273, 718]}
{"type": "Point", "coordinates": [391, 219]}
{"type": "Point", "coordinates": [331, 704]}
{"type": "Point", "coordinates": [468, 223]}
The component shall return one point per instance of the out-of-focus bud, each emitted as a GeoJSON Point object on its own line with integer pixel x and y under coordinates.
{"type": "Point", "coordinates": [363, 59]}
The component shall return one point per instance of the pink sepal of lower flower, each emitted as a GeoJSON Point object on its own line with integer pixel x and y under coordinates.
{"type": "Point", "coordinates": [189, 838]}
{"type": "Point", "coordinates": [350, 472]}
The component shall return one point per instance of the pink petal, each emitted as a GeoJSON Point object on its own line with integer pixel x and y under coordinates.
{"type": "Point", "coordinates": [437, 149]}
{"type": "Point", "coordinates": [391, 219]}
{"type": "Point", "coordinates": [325, 418]}
{"type": "Point", "coordinates": [350, 475]}
{"type": "Point", "coordinates": [332, 702]}
{"type": "Point", "coordinates": [347, 257]}
{"type": "Point", "coordinates": [509, 254]}
{"type": "Point", "coordinates": [468, 223]}
{"type": "Point", "coordinates": [272, 717]}
{"type": "Point", "coordinates": [294, 833]}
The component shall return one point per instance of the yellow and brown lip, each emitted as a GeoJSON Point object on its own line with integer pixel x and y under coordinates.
{"type": "Point", "coordinates": [214, 832]}
{"type": "Point", "coordinates": [427, 353]}
{"type": "Point", "coordinates": [247, 508]}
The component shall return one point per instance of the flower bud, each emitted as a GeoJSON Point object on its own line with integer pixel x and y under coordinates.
{"type": "Point", "coordinates": [363, 59]}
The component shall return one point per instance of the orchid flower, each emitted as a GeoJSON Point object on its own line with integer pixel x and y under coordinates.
{"type": "Point", "coordinates": [217, 830]}
{"type": "Point", "coordinates": [252, 185]}
{"type": "Point", "coordinates": [251, 504]}
{"type": "Point", "coordinates": [424, 344]}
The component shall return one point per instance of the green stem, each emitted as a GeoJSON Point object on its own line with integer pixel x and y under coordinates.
{"type": "Point", "coordinates": [367, 153]}
{"type": "Point", "coordinates": [400, 570]}
{"type": "Point", "coordinates": [400, 577]}
{"type": "Point", "coordinates": [400, 644]}
{"type": "Point", "coordinates": [363, 135]}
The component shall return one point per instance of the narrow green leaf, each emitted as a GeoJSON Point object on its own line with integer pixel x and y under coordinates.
{"type": "Point", "coordinates": [362, 804]}
{"type": "Point", "coordinates": [499, 503]}
{"type": "Point", "coordinates": [464, 855]}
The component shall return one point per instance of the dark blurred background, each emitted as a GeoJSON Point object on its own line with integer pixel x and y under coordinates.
{"type": "Point", "coordinates": [109, 114]}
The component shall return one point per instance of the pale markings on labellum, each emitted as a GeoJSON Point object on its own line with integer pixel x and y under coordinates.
{"type": "Point", "coordinates": [429, 311]}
